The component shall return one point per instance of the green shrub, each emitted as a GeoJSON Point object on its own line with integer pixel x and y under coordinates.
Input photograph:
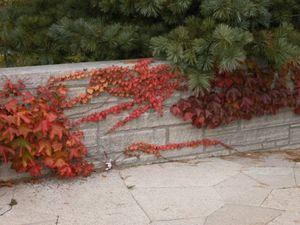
{"type": "Point", "coordinates": [44, 32]}
{"type": "Point", "coordinates": [227, 35]}
{"type": "Point", "coordinates": [200, 37]}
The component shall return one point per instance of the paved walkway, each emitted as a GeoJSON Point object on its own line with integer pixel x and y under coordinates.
{"type": "Point", "coordinates": [252, 189]}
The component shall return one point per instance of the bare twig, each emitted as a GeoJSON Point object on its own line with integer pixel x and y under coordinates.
{"type": "Point", "coordinates": [57, 218]}
{"type": "Point", "coordinates": [12, 203]}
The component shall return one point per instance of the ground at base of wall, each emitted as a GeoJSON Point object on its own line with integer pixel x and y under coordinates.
{"type": "Point", "coordinates": [7, 174]}
{"type": "Point", "coordinates": [254, 188]}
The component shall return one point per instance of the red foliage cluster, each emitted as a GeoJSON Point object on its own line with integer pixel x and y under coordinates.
{"type": "Point", "coordinates": [34, 132]}
{"type": "Point", "coordinates": [148, 86]}
{"type": "Point", "coordinates": [235, 96]}
{"type": "Point", "coordinates": [133, 149]}
{"type": "Point", "coordinates": [296, 79]}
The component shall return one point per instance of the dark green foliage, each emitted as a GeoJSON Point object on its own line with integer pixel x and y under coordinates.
{"type": "Point", "coordinates": [231, 34]}
{"type": "Point", "coordinates": [42, 31]}
{"type": "Point", "coordinates": [199, 37]}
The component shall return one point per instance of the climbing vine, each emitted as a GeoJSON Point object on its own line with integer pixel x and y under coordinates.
{"type": "Point", "coordinates": [135, 148]}
{"type": "Point", "coordinates": [34, 132]}
{"type": "Point", "coordinates": [147, 87]}
{"type": "Point", "coordinates": [240, 95]}
{"type": "Point", "coordinates": [296, 93]}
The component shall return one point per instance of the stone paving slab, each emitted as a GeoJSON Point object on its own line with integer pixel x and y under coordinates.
{"type": "Point", "coordinates": [241, 189]}
{"type": "Point", "coordinates": [88, 201]}
{"type": "Point", "coordinates": [176, 203]}
{"type": "Point", "coordinates": [275, 177]}
{"type": "Point", "coordinates": [284, 199]}
{"type": "Point", "coordinates": [242, 215]}
{"type": "Point", "coordinates": [263, 159]}
{"type": "Point", "coordinates": [287, 218]}
{"type": "Point", "coordinates": [235, 190]}
{"type": "Point", "coordinates": [181, 174]}
{"type": "Point", "coordinates": [297, 175]}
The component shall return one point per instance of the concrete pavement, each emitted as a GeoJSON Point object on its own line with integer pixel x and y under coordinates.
{"type": "Point", "coordinates": [247, 189]}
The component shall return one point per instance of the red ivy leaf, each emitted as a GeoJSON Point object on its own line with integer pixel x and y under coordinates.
{"type": "Point", "coordinates": [9, 134]}
{"type": "Point", "coordinates": [233, 94]}
{"type": "Point", "coordinates": [175, 110]}
{"type": "Point", "coordinates": [56, 130]}
{"type": "Point", "coordinates": [5, 151]}
{"type": "Point", "coordinates": [11, 106]}
{"type": "Point", "coordinates": [246, 103]}
{"type": "Point", "coordinates": [188, 116]}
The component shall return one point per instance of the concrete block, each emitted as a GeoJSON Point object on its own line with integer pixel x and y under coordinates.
{"type": "Point", "coordinates": [145, 121]}
{"type": "Point", "coordinates": [295, 134]}
{"type": "Point", "coordinates": [184, 133]}
{"type": "Point", "coordinates": [269, 145]}
{"type": "Point", "coordinates": [85, 110]}
{"type": "Point", "coordinates": [260, 135]}
{"type": "Point", "coordinates": [117, 142]}
{"type": "Point", "coordinates": [248, 147]}
{"type": "Point", "coordinates": [285, 116]}
{"type": "Point", "coordinates": [282, 142]}
{"type": "Point", "coordinates": [290, 147]}
{"type": "Point", "coordinates": [152, 119]}
{"type": "Point", "coordinates": [177, 153]}
{"type": "Point", "coordinates": [225, 129]}
{"type": "Point", "coordinates": [90, 137]}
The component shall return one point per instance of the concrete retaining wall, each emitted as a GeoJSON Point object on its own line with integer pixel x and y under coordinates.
{"type": "Point", "coordinates": [268, 132]}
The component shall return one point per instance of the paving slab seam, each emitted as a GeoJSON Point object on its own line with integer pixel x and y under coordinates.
{"type": "Point", "coordinates": [270, 221]}
{"type": "Point", "coordinates": [281, 210]}
{"type": "Point", "coordinates": [138, 204]}
{"type": "Point", "coordinates": [296, 183]}
{"type": "Point", "coordinates": [3, 194]}
{"type": "Point", "coordinates": [172, 187]}
{"type": "Point", "coordinates": [285, 188]}
{"type": "Point", "coordinates": [177, 187]}
{"type": "Point", "coordinates": [223, 181]}
{"type": "Point", "coordinates": [40, 222]}
{"type": "Point", "coordinates": [257, 181]}
{"type": "Point", "coordinates": [206, 218]}
{"type": "Point", "coordinates": [260, 205]}
{"type": "Point", "coordinates": [254, 206]}
{"type": "Point", "coordinates": [263, 207]}
{"type": "Point", "coordinates": [177, 219]}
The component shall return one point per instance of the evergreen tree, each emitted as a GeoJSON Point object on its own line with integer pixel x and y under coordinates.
{"type": "Point", "coordinates": [199, 37]}
{"type": "Point", "coordinates": [227, 34]}
{"type": "Point", "coordinates": [41, 31]}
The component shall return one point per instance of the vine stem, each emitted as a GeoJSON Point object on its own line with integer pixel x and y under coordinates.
{"type": "Point", "coordinates": [147, 148]}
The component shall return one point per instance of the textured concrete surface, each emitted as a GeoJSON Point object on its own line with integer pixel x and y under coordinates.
{"type": "Point", "coordinates": [243, 189]}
